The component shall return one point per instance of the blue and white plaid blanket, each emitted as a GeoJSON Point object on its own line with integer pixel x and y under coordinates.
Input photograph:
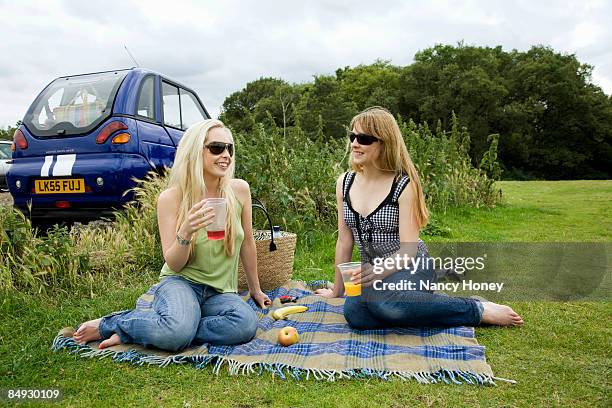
{"type": "Point", "coordinates": [328, 348]}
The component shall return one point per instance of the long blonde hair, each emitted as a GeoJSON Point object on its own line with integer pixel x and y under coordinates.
{"type": "Point", "coordinates": [394, 157]}
{"type": "Point", "coordinates": [187, 175]}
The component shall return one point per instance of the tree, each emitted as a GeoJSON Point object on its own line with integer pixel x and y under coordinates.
{"type": "Point", "coordinates": [551, 120]}
{"type": "Point", "coordinates": [280, 105]}
{"type": "Point", "coordinates": [562, 120]}
{"type": "Point", "coordinates": [238, 109]}
{"type": "Point", "coordinates": [462, 79]}
{"type": "Point", "coordinates": [324, 99]}
{"type": "Point", "coordinates": [377, 84]}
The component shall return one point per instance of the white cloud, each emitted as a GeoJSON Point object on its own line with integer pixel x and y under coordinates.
{"type": "Point", "coordinates": [585, 34]}
{"type": "Point", "coordinates": [217, 47]}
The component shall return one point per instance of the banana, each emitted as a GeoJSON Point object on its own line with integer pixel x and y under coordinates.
{"type": "Point", "coordinates": [282, 312]}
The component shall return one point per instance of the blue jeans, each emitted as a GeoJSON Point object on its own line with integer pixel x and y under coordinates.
{"type": "Point", "coordinates": [176, 313]}
{"type": "Point", "coordinates": [376, 309]}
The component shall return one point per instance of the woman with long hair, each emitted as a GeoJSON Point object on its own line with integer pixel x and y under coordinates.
{"type": "Point", "coordinates": [195, 301]}
{"type": "Point", "coordinates": [381, 208]}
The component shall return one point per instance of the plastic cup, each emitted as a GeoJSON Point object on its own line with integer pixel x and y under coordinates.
{"type": "Point", "coordinates": [216, 229]}
{"type": "Point", "coordinates": [346, 270]}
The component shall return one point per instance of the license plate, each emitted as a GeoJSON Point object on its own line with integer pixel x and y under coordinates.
{"type": "Point", "coordinates": [55, 186]}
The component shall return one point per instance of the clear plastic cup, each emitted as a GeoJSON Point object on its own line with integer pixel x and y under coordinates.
{"type": "Point", "coordinates": [216, 229]}
{"type": "Point", "coordinates": [346, 270]}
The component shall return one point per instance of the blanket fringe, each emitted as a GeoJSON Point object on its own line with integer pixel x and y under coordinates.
{"type": "Point", "coordinates": [283, 371]}
{"type": "Point", "coordinates": [276, 369]}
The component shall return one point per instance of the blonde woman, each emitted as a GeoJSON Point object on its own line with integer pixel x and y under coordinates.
{"type": "Point", "coordinates": [195, 301]}
{"type": "Point", "coordinates": [381, 208]}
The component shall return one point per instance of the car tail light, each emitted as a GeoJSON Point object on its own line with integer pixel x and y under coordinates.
{"type": "Point", "coordinates": [121, 138]}
{"type": "Point", "coordinates": [19, 140]}
{"type": "Point", "coordinates": [62, 204]}
{"type": "Point", "coordinates": [109, 130]}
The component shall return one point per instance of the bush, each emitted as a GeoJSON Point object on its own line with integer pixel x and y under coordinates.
{"type": "Point", "coordinates": [84, 259]}
{"type": "Point", "coordinates": [130, 246]}
{"type": "Point", "coordinates": [292, 174]}
{"type": "Point", "coordinates": [444, 165]}
{"type": "Point", "coordinates": [39, 264]}
{"type": "Point", "coordinates": [295, 175]}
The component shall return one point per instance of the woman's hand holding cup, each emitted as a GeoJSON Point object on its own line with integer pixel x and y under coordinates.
{"type": "Point", "coordinates": [199, 217]}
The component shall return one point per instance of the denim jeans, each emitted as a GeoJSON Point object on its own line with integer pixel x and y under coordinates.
{"type": "Point", "coordinates": [375, 309]}
{"type": "Point", "coordinates": [176, 313]}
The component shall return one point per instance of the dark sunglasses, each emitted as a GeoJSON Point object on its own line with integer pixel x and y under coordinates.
{"type": "Point", "coordinates": [217, 148]}
{"type": "Point", "coordinates": [362, 139]}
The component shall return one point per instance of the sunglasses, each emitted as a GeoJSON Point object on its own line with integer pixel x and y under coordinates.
{"type": "Point", "coordinates": [217, 148]}
{"type": "Point", "coordinates": [362, 139]}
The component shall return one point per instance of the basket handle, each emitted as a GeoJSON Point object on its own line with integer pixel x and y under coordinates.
{"type": "Point", "coordinates": [258, 204]}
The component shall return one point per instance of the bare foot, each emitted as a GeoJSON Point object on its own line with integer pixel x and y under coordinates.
{"type": "Point", "coordinates": [500, 315]}
{"type": "Point", "coordinates": [87, 332]}
{"type": "Point", "coordinates": [113, 340]}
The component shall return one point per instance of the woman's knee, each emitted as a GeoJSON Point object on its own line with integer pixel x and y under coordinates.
{"type": "Point", "coordinates": [173, 334]}
{"type": "Point", "coordinates": [227, 320]}
{"type": "Point", "coordinates": [244, 322]}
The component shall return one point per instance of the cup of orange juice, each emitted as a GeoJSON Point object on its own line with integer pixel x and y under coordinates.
{"type": "Point", "coordinates": [346, 270]}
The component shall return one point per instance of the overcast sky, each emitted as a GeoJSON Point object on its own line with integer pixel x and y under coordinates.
{"type": "Point", "coordinates": [217, 47]}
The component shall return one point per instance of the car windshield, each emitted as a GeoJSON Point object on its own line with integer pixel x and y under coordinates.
{"type": "Point", "coordinates": [74, 105]}
{"type": "Point", "coordinates": [5, 151]}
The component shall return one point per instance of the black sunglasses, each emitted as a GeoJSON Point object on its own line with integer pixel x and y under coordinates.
{"type": "Point", "coordinates": [217, 148]}
{"type": "Point", "coordinates": [362, 138]}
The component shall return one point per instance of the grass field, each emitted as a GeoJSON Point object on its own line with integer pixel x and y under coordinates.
{"type": "Point", "coordinates": [561, 357]}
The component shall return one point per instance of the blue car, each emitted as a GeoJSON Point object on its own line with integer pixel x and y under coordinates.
{"type": "Point", "coordinates": [86, 137]}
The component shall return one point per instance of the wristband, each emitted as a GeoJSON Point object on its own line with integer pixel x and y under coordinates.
{"type": "Point", "coordinates": [183, 242]}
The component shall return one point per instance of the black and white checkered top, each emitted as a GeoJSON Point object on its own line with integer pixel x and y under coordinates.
{"type": "Point", "coordinates": [377, 234]}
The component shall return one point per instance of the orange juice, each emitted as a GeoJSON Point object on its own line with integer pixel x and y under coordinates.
{"type": "Point", "coordinates": [347, 270]}
{"type": "Point", "coordinates": [352, 289]}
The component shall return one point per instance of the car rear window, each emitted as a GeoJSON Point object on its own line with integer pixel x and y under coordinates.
{"type": "Point", "coordinates": [74, 105]}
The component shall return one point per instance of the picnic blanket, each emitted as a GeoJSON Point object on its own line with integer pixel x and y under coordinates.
{"type": "Point", "coordinates": [328, 349]}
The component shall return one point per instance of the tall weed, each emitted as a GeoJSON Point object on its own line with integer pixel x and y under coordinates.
{"type": "Point", "coordinates": [84, 259]}
{"type": "Point", "coordinates": [295, 176]}
{"type": "Point", "coordinates": [291, 173]}
{"type": "Point", "coordinates": [39, 264]}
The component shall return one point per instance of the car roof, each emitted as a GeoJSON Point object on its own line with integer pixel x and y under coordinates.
{"type": "Point", "coordinates": [134, 69]}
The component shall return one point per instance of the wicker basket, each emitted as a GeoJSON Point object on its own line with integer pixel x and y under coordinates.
{"type": "Point", "coordinates": [274, 257]}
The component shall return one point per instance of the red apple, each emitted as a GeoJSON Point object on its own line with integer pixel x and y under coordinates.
{"type": "Point", "coordinates": [287, 336]}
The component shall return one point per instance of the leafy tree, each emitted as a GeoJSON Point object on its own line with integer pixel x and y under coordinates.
{"type": "Point", "coordinates": [377, 84]}
{"type": "Point", "coordinates": [280, 105]}
{"type": "Point", "coordinates": [324, 99]}
{"type": "Point", "coordinates": [560, 122]}
{"type": "Point", "coordinates": [462, 79]}
{"type": "Point", "coordinates": [551, 121]}
{"type": "Point", "coordinates": [239, 108]}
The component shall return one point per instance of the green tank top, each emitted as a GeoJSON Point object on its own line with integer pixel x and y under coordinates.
{"type": "Point", "coordinates": [210, 265]}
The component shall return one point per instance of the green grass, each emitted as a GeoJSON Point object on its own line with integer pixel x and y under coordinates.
{"type": "Point", "coordinates": [561, 357]}
{"type": "Point", "coordinates": [560, 211]}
